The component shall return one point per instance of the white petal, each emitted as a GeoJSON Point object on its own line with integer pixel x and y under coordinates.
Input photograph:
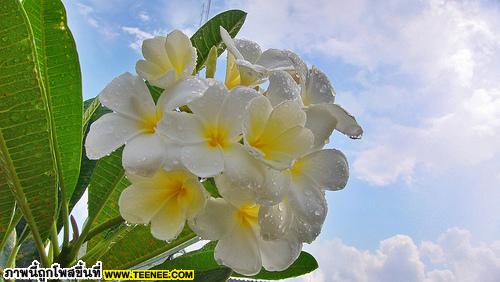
{"type": "Point", "coordinates": [165, 79]}
{"type": "Point", "coordinates": [215, 221]}
{"type": "Point", "coordinates": [148, 70]}
{"type": "Point", "coordinates": [281, 88]}
{"type": "Point", "coordinates": [279, 254]}
{"type": "Point", "coordinates": [284, 116]}
{"type": "Point", "coordinates": [248, 49]}
{"type": "Point", "coordinates": [300, 68]}
{"type": "Point", "coordinates": [168, 222]}
{"type": "Point", "coordinates": [287, 147]}
{"type": "Point", "coordinates": [230, 44]}
{"type": "Point", "coordinates": [274, 59]}
{"type": "Point", "coordinates": [256, 117]}
{"type": "Point", "coordinates": [307, 201]}
{"type": "Point", "coordinates": [275, 220]}
{"type": "Point", "coordinates": [235, 194]}
{"type": "Point", "coordinates": [274, 188]}
{"type": "Point", "coordinates": [138, 204]}
{"type": "Point", "coordinates": [195, 197]}
{"type": "Point", "coordinates": [202, 160]}
{"type": "Point", "coordinates": [182, 93]}
{"type": "Point", "coordinates": [327, 168]}
{"type": "Point", "coordinates": [318, 88]}
{"type": "Point", "coordinates": [172, 155]}
{"type": "Point", "coordinates": [143, 154]}
{"type": "Point", "coordinates": [305, 231]}
{"type": "Point", "coordinates": [184, 128]}
{"type": "Point", "coordinates": [321, 123]}
{"type": "Point", "coordinates": [233, 109]}
{"type": "Point", "coordinates": [251, 74]}
{"type": "Point", "coordinates": [128, 95]}
{"type": "Point", "coordinates": [108, 133]}
{"type": "Point", "coordinates": [207, 107]}
{"type": "Point", "coordinates": [153, 50]}
{"type": "Point", "coordinates": [239, 250]}
{"type": "Point", "coordinates": [181, 53]}
{"type": "Point", "coordinates": [242, 169]}
{"type": "Point", "coordinates": [346, 123]}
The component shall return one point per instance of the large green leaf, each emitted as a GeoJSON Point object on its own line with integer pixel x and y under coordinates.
{"type": "Point", "coordinates": [304, 264]}
{"type": "Point", "coordinates": [60, 71]}
{"type": "Point", "coordinates": [27, 165]}
{"type": "Point", "coordinates": [107, 182]}
{"type": "Point", "coordinates": [202, 261]}
{"type": "Point", "coordinates": [138, 246]}
{"type": "Point", "coordinates": [209, 35]}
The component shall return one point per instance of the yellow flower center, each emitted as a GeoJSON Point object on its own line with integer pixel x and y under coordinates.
{"type": "Point", "coordinates": [296, 168]}
{"type": "Point", "coordinates": [247, 215]}
{"type": "Point", "coordinates": [217, 137]}
{"type": "Point", "coordinates": [149, 123]}
{"type": "Point", "coordinates": [233, 77]}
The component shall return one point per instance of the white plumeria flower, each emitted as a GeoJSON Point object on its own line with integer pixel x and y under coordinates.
{"type": "Point", "coordinates": [254, 66]}
{"type": "Point", "coordinates": [209, 136]}
{"type": "Point", "coordinates": [302, 213]}
{"type": "Point", "coordinates": [168, 59]}
{"type": "Point", "coordinates": [134, 120]}
{"type": "Point", "coordinates": [277, 136]}
{"type": "Point", "coordinates": [167, 200]}
{"type": "Point", "coordinates": [316, 94]}
{"type": "Point", "coordinates": [240, 246]}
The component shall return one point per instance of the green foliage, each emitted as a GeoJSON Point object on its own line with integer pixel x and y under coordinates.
{"type": "Point", "coordinates": [59, 70]}
{"type": "Point", "coordinates": [27, 163]}
{"type": "Point", "coordinates": [208, 35]}
{"type": "Point", "coordinates": [304, 264]}
{"type": "Point", "coordinates": [202, 261]}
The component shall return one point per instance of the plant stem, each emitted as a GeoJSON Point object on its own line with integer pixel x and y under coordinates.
{"type": "Point", "coordinates": [54, 242]}
{"type": "Point", "coordinates": [103, 226]}
{"type": "Point", "coordinates": [65, 223]}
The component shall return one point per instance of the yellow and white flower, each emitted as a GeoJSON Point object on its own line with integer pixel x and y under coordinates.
{"type": "Point", "coordinates": [209, 136]}
{"type": "Point", "coordinates": [166, 200]}
{"type": "Point", "coordinates": [134, 120]}
{"type": "Point", "coordinates": [252, 65]}
{"type": "Point", "coordinates": [167, 59]}
{"type": "Point", "coordinates": [276, 135]}
{"type": "Point", "coordinates": [302, 213]}
{"type": "Point", "coordinates": [317, 96]}
{"type": "Point", "coordinates": [240, 246]}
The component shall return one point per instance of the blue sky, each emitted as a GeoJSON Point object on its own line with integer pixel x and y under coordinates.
{"type": "Point", "coordinates": [422, 78]}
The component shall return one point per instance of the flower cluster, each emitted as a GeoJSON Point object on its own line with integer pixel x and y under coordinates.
{"type": "Point", "coordinates": [263, 146]}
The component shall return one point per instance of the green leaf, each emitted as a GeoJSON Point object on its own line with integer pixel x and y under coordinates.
{"type": "Point", "coordinates": [208, 35]}
{"type": "Point", "coordinates": [7, 249]}
{"type": "Point", "coordinates": [27, 165]}
{"type": "Point", "coordinates": [60, 72]}
{"type": "Point", "coordinates": [107, 182]}
{"type": "Point", "coordinates": [211, 188]}
{"type": "Point", "coordinates": [304, 264]}
{"type": "Point", "coordinates": [93, 111]}
{"type": "Point", "coordinates": [138, 246]}
{"type": "Point", "coordinates": [202, 261]}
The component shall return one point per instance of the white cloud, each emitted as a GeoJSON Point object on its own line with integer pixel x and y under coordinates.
{"type": "Point", "coordinates": [91, 18]}
{"type": "Point", "coordinates": [143, 16]}
{"type": "Point", "coordinates": [453, 257]}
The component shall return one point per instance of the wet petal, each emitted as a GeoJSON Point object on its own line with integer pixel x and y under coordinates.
{"type": "Point", "coordinates": [232, 110]}
{"type": "Point", "coordinates": [108, 133]}
{"type": "Point", "coordinates": [308, 202]}
{"type": "Point", "coordinates": [215, 221]}
{"type": "Point", "coordinates": [248, 49]}
{"type": "Point", "coordinates": [230, 44]}
{"type": "Point", "coordinates": [239, 250]}
{"type": "Point", "coordinates": [128, 95]}
{"type": "Point", "coordinates": [144, 154]}
{"type": "Point", "coordinates": [182, 93]}
{"type": "Point", "coordinates": [281, 88]}
{"type": "Point", "coordinates": [274, 59]}
{"type": "Point", "coordinates": [275, 220]}
{"type": "Point", "coordinates": [202, 160]}
{"type": "Point", "coordinates": [346, 123]}
{"type": "Point", "coordinates": [207, 107]}
{"type": "Point", "coordinates": [278, 255]}
{"type": "Point", "coordinates": [181, 53]}
{"type": "Point", "coordinates": [321, 123]}
{"type": "Point", "coordinates": [138, 204]}
{"type": "Point", "coordinates": [319, 90]}
{"type": "Point", "coordinates": [184, 128]}
{"type": "Point", "coordinates": [327, 168]}
{"type": "Point", "coordinates": [168, 222]}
